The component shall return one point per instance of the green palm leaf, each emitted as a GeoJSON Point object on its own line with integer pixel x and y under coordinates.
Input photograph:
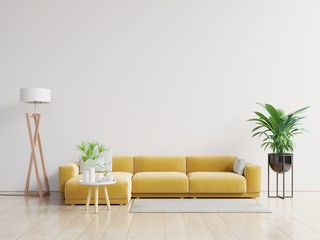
{"type": "Point", "coordinates": [277, 127]}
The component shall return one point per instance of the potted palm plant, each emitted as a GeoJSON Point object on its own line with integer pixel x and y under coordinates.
{"type": "Point", "coordinates": [278, 130]}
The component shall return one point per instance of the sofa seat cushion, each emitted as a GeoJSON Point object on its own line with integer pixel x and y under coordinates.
{"type": "Point", "coordinates": [216, 182]}
{"type": "Point", "coordinates": [160, 182]}
{"type": "Point", "coordinates": [120, 190]}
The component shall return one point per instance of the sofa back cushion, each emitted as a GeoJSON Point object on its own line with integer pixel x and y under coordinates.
{"type": "Point", "coordinates": [122, 164]}
{"type": "Point", "coordinates": [160, 164]}
{"type": "Point", "coordinates": [222, 163]}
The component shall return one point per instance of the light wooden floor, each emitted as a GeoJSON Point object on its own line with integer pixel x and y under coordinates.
{"type": "Point", "coordinates": [48, 218]}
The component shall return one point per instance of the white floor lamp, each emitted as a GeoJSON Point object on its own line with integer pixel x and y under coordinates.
{"type": "Point", "coordinates": [35, 95]}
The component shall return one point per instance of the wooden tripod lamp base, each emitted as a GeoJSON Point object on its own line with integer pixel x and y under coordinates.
{"type": "Point", "coordinates": [36, 95]}
{"type": "Point", "coordinates": [34, 138]}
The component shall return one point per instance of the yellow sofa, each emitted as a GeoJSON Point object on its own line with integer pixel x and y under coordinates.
{"type": "Point", "coordinates": [213, 176]}
{"type": "Point", "coordinates": [166, 176]}
{"type": "Point", "coordinates": [119, 193]}
{"type": "Point", "coordinates": [160, 176]}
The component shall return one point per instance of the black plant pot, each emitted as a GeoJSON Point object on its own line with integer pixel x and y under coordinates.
{"type": "Point", "coordinates": [280, 163]}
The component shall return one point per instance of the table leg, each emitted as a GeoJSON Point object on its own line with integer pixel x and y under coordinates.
{"type": "Point", "coordinates": [88, 198]}
{"type": "Point", "coordinates": [107, 197]}
{"type": "Point", "coordinates": [96, 198]}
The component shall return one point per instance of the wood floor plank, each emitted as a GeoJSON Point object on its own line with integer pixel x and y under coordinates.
{"type": "Point", "coordinates": [7, 202]}
{"type": "Point", "coordinates": [270, 230]}
{"type": "Point", "coordinates": [76, 227]}
{"type": "Point", "coordinates": [283, 219]}
{"type": "Point", "coordinates": [48, 218]}
{"type": "Point", "coordinates": [304, 218]}
{"type": "Point", "coordinates": [28, 215]}
{"type": "Point", "coordinates": [197, 227]}
{"type": "Point", "coordinates": [306, 205]}
{"type": "Point", "coordinates": [147, 226]}
{"type": "Point", "coordinates": [219, 229]}
{"type": "Point", "coordinates": [54, 225]}
{"type": "Point", "coordinates": [242, 228]}
{"type": "Point", "coordinates": [175, 227]}
{"type": "Point", "coordinates": [96, 229]}
{"type": "Point", "coordinates": [120, 224]}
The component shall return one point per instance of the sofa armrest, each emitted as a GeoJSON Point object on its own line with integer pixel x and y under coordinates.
{"type": "Point", "coordinates": [66, 172]}
{"type": "Point", "coordinates": [252, 173]}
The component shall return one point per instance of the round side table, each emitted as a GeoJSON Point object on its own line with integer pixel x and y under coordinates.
{"type": "Point", "coordinates": [96, 195]}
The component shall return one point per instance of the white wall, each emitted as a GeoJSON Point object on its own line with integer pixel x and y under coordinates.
{"type": "Point", "coordinates": [157, 77]}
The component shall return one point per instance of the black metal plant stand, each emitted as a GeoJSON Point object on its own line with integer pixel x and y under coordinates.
{"type": "Point", "coordinates": [283, 182]}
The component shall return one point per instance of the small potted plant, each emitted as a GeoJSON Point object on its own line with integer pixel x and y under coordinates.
{"type": "Point", "coordinates": [278, 130]}
{"type": "Point", "coordinates": [90, 152]}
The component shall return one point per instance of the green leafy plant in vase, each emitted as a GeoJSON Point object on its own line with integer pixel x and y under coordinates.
{"type": "Point", "coordinates": [278, 130]}
{"type": "Point", "coordinates": [90, 151]}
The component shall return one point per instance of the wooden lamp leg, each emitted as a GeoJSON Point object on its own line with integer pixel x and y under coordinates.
{"type": "Point", "coordinates": [34, 137]}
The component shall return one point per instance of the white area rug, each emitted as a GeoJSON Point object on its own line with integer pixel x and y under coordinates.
{"type": "Point", "coordinates": [187, 205]}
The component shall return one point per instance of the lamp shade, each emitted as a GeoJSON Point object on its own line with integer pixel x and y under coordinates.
{"type": "Point", "coordinates": [35, 95]}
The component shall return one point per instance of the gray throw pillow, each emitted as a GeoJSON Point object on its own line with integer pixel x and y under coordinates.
{"type": "Point", "coordinates": [239, 165]}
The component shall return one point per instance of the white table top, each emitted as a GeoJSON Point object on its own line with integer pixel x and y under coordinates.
{"type": "Point", "coordinates": [97, 183]}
